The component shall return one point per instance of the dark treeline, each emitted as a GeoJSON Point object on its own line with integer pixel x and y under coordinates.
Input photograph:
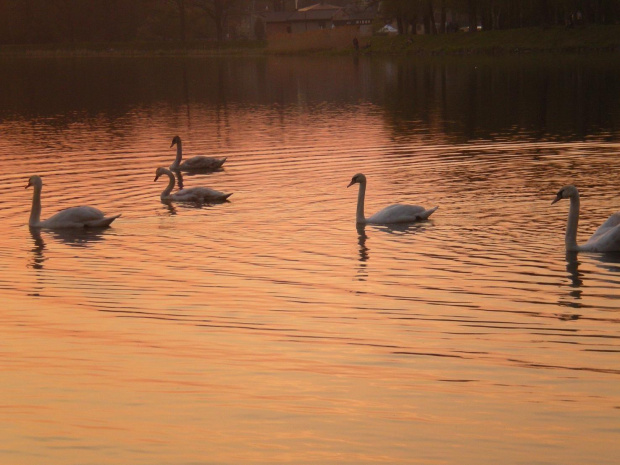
{"type": "Point", "coordinates": [499, 14]}
{"type": "Point", "coordinates": [80, 21]}
{"type": "Point", "coordinates": [48, 21]}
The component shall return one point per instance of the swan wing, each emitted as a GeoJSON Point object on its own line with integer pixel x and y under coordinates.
{"type": "Point", "coordinates": [78, 217]}
{"type": "Point", "coordinates": [612, 222]}
{"type": "Point", "coordinates": [202, 163]}
{"type": "Point", "coordinates": [401, 214]}
{"type": "Point", "coordinates": [199, 194]}
{"type": "Point", "coordinates": [211, 194]}
{"type": "Point", "coordinates": [607, 237]}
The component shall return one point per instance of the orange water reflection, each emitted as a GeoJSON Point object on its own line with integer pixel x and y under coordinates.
{"type": "Point", "coordinates": [269, 329]}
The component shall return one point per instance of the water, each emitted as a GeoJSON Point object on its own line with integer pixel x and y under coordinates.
{"type": "Point", "coordinates": [269, 329]}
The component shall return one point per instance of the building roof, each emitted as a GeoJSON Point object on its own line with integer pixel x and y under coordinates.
{"type": "Point", "coordinates": [320, 6]}
{"type": "Point", "coordinates": [313, 15]}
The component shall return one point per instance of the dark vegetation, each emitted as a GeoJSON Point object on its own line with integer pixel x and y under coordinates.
{"type": "Point", "coordinates": [500, 14]}
{"type": "Point", "coordinates": [95, 21]}
{"type": "Point", "coordinates": [176, 26]}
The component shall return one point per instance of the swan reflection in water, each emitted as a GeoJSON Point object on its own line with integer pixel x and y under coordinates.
{"type": "Point", "coordinates": [362, 272]}
{"type": "Point", "coordinates": [609, 261]}
{"type": "Point", "coordinates": [395, 228]}
{"type": "Point", "coordinates": [70, 237]}
{"type": "Point", "coordinates": [576, 281]}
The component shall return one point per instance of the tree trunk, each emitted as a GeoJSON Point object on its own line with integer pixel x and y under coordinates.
{"type": "Point", "coordinates": [473, 22]}
{"type": "Point", "coordinates": [181, 5]}
{"type": "Point", "coordinates": [442, 27]}
{"type": "Point", "coordinates": [430, 12]}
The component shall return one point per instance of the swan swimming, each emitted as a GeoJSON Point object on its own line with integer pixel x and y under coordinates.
{"type": "Point", "coordinates": [191, 194]}
{"type": "Point", "coordinates": [198, 163]}
{"type": "Point", "coordinates": [74, 217]}
{"type": "Point", "coordinates": [391, 214]}
{"type": "Point", "coordinates": [605, 239]}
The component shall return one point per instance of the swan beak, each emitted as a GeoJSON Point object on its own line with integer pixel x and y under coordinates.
{"type": "Point", "coordinates": [350, 184]}
{"type": "Point", "coordinates": [28, 185]}
{"type": "Point", "coordinates": [156, 178]}
{"type": "Point", "coordinates": [556, 199]}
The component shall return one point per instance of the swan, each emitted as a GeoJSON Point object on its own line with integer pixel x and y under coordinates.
{"type": "Point", "coordinates": [192, 194]}
{"type": "Point", "coordinates": [74, 217]}
{"type": "Point", "coordinates": [391, 214]}
{"type": "Point", "coordinates": [198, 163]}
{"type": "Point", "coordinates": [605, 239]}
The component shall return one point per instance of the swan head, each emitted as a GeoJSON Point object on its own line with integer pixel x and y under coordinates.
{"type": "Point", "coordinates": [359, 178]}
{"type": "Point", "coordinates": [35, 181]}
{"type": "Point", "coordinates": [175, 140]}
{"type": "Point", "coordinates": [159, 172]}
{"type": "Point", "coordinates": [565, 193]}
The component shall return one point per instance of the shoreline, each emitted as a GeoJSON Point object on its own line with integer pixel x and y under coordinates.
{"type": "Point", "coordinates": [580, 40]}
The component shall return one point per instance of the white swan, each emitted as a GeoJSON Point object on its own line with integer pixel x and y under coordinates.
{"type": "Point", "coordinates": [74, 217]}
{"type": "Point", "coordinates": [605, 239]}
{"type": "Point", "coordinates": [199, 163]}
{"type": "Point", "coordinates": [391, 214]}
{"type": "Point", "coordinates": [192, 194]}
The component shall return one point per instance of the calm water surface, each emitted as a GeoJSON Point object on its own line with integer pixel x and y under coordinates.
{"type": "Point", "coordinates": [269, 329]}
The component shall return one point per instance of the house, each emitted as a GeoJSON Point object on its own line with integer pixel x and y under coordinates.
{"type": "Point", "coordinates": [314, 17]}
{"type": "Point", "coordinates": [317, 17]}
{"type": "Point", "coordinates": [361, 20]}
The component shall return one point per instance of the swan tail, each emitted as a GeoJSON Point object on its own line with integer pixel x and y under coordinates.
{"type": "Point", "coordinates": [225, 197]}
{"type": "Point", "coordinates": [424, 215]}
{"type": "Point", "coordinates": [101, 223]}
{"type": "Point", "coordinates": [221, 162]}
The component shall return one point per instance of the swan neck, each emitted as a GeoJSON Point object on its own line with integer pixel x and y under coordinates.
{"type": "Point", "coordinates": [179, 157]}
{"type": "Point", "coordinates": [170, 186]}
{"type": "Point", "coordinates": [572, 224]}
{"type": "Point", "coordinates": [359, 216]}
{"type": "Point", "coordinates": [35, 212]}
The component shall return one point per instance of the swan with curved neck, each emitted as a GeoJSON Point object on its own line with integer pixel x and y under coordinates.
{"type": "Point", "coordinates": [74, 217]}
{"type": "Point", "coordinates": [392, 214]}
{"type": "Point", "coordinates": [605, 239]}
{"type": "Point", "coordinates": [198, 163]}
{"type": "Point", "coordinates": [191, 194]}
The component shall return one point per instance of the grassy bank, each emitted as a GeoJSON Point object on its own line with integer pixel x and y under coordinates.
{"type": "Point", "coordinates": [531, 40]}
{"type": "Point", "coordinates": [586, 39]}
{"type": "Point", "coordinates": [151, 48]}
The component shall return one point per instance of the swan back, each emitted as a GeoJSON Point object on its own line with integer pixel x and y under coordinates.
{"type": "Point", "coordinates": [202, 163]}
{"type": "Point", "coordinates": [401, 214]}
{"type": "Point", "coordinates": [78, 217]}
{"type": "Point", "coordinates": [200, 194]}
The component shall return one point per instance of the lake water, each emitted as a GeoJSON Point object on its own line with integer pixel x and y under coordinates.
{"type": "Point", "coordinates": [269, 329]}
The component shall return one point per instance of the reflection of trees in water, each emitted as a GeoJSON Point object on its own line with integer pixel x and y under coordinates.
{"type": "Point", "coordinates": [488, 97]}
{"type": "Point", "coordinates": [457, 97]}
